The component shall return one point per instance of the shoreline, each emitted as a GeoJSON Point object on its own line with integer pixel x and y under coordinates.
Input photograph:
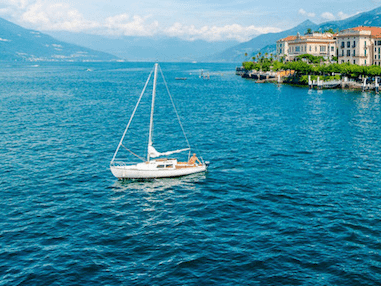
{"type": "Point", "coordinates": [291, 79]}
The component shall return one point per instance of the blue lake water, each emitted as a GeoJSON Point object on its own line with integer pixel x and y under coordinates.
{"type": "Point", "coordinates": [292, 195]}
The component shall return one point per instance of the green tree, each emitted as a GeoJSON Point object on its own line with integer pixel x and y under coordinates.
{"type": "Point", "coordinates": [329, 31]}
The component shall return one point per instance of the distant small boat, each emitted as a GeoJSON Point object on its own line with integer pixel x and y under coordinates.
{"type": "Point", "coordinates": [157, 168]}
{"type": "Point", "coordinates": [180, 78]}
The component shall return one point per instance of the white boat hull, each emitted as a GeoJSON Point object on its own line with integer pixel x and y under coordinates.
{"type": "Point", "coordinates": [132, 172]}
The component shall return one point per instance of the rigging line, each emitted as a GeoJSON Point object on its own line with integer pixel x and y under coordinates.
{"type": "Point", "coordinates": [129, 122]}
{"type": "Point", "coordinates": [174, 107]}
{"type": "Point", "coordinates": [133, 153]}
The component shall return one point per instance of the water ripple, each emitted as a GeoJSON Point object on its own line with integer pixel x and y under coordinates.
{"type": "Point", "coordinates": [291, 197]}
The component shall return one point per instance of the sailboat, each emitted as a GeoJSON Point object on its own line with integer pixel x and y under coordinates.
{"type": "Point", "coordinates": [156, 165]}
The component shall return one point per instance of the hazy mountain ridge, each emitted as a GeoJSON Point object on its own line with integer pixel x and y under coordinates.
{"type": "Point", "coordinates": [267, 42]}
{"type": "Point", "coordinates": [20, 44]}
{"type": "Point", "coordinates": [159, 48]}
{"type": "Point", "coordinates": [17, 43]}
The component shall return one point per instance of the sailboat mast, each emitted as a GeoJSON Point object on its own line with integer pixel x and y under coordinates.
{"type": "Point", "coordinates": [152, 109]}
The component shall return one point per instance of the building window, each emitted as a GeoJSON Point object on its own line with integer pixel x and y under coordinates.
{"type": "Point", "coordinates": [280, 51]}
{"type": "Point", "coordinates": [322, 49]}
{"type": "Point", "coordinates": [354, 44]}
{"type": "Point", "coordinates": [342, 45]}
{"type": "Point", "coordinates": [315, 48]}
{"type": "Point", "coordinates": [365, 52]}
{"type": "Point", "coordinates": [348, 44]}
{"type": "Point", "coordinates": [354, 53]}
{"type": "Point", "coordinates": [310, 48]}
{"type": "Point", "coordinates": [379, 43]}
{"type": "Point", "coordinates": [332, 49]}
{"type": "Point", "coordinates": [342, 53]}
{"type": "Point", "coordinates": [354, 62]}
{"type": "Point", "coordinates": [378, 50]}
{"type": "Point", "coordinates": [342, 61]}
{"type": "Point", "coordinates": [365, 43]}
{"type": "Point", "coordinates": [297, 49]}
{"type": "Point", "coordinates": [348, 53]}
{"type": "Point", "coordinates": [365, 62]}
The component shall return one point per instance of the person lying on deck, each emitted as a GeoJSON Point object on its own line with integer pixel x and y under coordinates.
{"type": "Point", "coordinates": [193, 160]}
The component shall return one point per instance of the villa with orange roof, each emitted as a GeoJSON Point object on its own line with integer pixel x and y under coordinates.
{"type": "Point", "coordinates": [360, 45]}
{"type": "Point", "coordinates": [317, 44]}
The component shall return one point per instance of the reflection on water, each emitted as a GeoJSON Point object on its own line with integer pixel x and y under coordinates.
{"type": "Point", "coordinates": [157, 185]}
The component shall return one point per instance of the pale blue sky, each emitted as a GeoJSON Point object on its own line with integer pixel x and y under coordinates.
{"type": "Point", "coordinates": [209, 20]}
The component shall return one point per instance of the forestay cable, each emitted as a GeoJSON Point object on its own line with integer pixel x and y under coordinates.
{"type": "Point", "coordinates": [129, 122]}
{"type": "Point", "coordinates": [174, 107]}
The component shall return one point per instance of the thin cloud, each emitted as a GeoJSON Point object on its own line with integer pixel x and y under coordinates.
{"type": "Point", "coordinates": [305, 13]}
{"type": "Point", "coordinates": [328, 16]}
{"type": "Point", "coordinates": [342, 15]}
{"type": "Point", "coordinates": [44, 15]}
{"type": "Point", "coordinates": [216, 33]}
{"type": "Point", "coordinates": [125, 25]}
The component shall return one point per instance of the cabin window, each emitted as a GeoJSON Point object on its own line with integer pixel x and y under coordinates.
{"type": "Point", "coordinates": [160, 166]}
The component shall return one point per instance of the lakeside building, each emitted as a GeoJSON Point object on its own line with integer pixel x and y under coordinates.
{"type": "Point", "coordinates": [317, 44]}
{"type": "Point", "coordinates": [360, 45]}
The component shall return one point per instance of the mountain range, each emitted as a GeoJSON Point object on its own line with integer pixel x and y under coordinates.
{"type": "Point", "coordinates": [20, 44]}
{"type": "Point", "coordinates": [159, 48]}
{"type": "Point", "coordinates": [267, 42]}
{"type": "Point", "coordinates": [17, 43]}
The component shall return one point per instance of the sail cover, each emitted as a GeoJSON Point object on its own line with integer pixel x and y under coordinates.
{"type": "Point", "coordinates": [153, 153]}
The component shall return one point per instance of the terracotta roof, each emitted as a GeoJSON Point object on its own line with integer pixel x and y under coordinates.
{"type": "Point", "coordinates": [289, 38]}
{"type": "Point", "coordinates": [375, 31]}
